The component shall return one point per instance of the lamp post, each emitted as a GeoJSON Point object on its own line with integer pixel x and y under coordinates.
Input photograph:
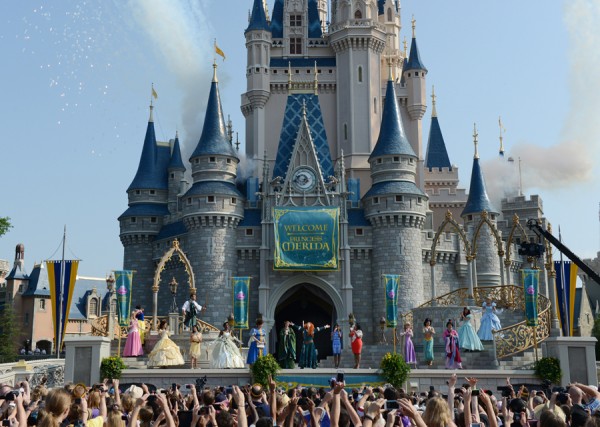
{"type": "Point", "coordinates": [110, 287]}
{"type": "Point", "coordinates": [173, 287]}
{"type": "Point", "coordinates": [382, 323]}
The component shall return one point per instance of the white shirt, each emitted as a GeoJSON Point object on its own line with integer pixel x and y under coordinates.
{"type": "Point", "coordinates": [186, 306]}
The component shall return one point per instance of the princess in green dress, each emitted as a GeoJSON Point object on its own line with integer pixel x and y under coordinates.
{"type": "Point", "coordinates": [428, 333]}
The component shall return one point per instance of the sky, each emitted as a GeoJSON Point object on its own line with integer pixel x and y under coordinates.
{"type": "Point", "coordinates": [77, 79]}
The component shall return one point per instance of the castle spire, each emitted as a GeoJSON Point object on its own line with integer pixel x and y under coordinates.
{"type": "Point", "coordinates": [316, 81]}
{"type": "Point", "coordinates": [289, 76]}
{"type": "Point", "coordinates": [437, 154]}
{"type": "Point", "coordinates": [475, 141]}
{"type": "Point", "coordinates": [433, 97]}
{"type": "Point", "coordinates": [414, 59]}
{"type": "Point", "coordinates": [478, 200]}
{"type": "Point", "coordinates": [176, 162]}
{"type": "Point", "coordinates": [502, 130]}
{"type": "Point", "coordinates": [215, 66]}
{"type": "Point", "coordinates": [258, 18]}
{"type": "Point", "coordinates": [414, 27]}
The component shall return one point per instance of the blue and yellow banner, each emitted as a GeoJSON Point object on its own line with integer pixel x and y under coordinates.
{"type": "Point", "coordinates": [61, 278]}
{"type": "Point", "coordinates": [531, 280]}
{"type": "Point", "coordinates": [306, 238]}
{"type": "Point", "coordinates": [392, 283]}
{"type": "Point", "coordinates": [124, 285]}
{"type": "Point", "coordinates": [241, 293]}
{"type": "Point", "coordinates": [566, 282]}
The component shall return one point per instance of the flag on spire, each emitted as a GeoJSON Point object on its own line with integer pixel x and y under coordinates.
{"type": "Point", "coordinates": [218, 51]}
{"type": "Point", "coordinates": [154, 94]}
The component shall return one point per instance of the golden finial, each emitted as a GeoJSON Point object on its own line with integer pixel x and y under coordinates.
{"type": "Point", "coordinates": [316, 83]}
{"type": "Point", "coordinates": [215, 79]}
{"type": "Point", "coordinates": [304, 108]}
{"type": "Point", "coordinates": [414, 26]}
{"type": "Point", "coordinates": [405, 43]}
{"type": "Point", "coordinates": [433, 97]}
{"type": "Point", "coordinates": [475, 135]}
{"type": "Point", "coordinates": [289, 76]}
{"type": "Point", "coordinates": [390, 72]}
{"type": "Point", "coordinates": [501, 135]}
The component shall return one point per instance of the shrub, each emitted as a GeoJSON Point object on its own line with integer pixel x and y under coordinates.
{"type": "Point", "coordinates": [111, 367]}
{"type": "Point", "coordinates": [394, 369]}
{"type": "Point", "coordinates": [264, 367]}
{"type": "Point", "coordinates": [548, 368]}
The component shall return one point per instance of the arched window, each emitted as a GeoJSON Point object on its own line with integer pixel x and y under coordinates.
{"type": "Point", "coordinates": [358, 14]}
{"type": "Point", "coordinates": [345, 131]}
{"type": "Point", "coordinates": [389, 14]}
{"type": "Point", "coordinates": [360, 74]}
{"type": "Point", "coordinates": [93, 307]}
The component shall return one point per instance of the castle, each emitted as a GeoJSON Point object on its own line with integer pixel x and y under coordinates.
{"type": "Point", "coordinates": [334, 119]}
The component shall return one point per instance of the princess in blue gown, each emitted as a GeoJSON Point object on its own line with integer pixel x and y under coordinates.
{"type": "Point", "coordinates": [467, 338]}
{"type": "Point", "coordinates": [257, 342]}
{"type": "Point", "coordinates": [489, 321]}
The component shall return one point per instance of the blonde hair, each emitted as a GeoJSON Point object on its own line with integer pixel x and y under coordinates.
{"type": "Point", "coordinates": [58, 402]}
{"type": "Point", "coordinates": [94, 399]}
{"type": "Point", "coordinates": [127, 403]}
{"type": "Point", "coordinates": [437, 413]}
{"type": "Point", "coordinates": [113, 417]}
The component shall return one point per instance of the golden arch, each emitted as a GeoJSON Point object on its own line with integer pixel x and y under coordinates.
{"type": "Point", "coordinates": [449, 220]}
{"type": "Point", "coordinates": [498, 240]}
{"type": "Point", "coordinates": [516, 227]}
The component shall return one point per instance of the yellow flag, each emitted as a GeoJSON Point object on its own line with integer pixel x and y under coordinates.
{"type": "Point", "coordinates": [154, 94]}
{"type": "Point", "coordinates": [219, 52]}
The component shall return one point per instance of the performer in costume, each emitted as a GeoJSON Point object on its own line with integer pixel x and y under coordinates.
{"type": "Point", "coordinates": [408, 351]}
{"type": "Point", "coordinates": [165, 352]}
{"type": "Point", "coordinates": [286, 350]}
{"type": "Point", "coordinates": [225, 353]}
{"type": "Point", "coordinates": [453, 360]}
{"type": "Point", "coordinates": [489, 321]}
{"type": "Point", "coordinates": [428, 333]}
{"type": "Point", "coordinates": [257, 342]}
{"type": "Point", "coordinates": [356, 335]}
{"type": "Point", "coordinates": [133, 345]}
{"type": "Point", "coordinates": [308, 355]}
{"type": "Point", "coordinates": [195, 346]}
{"type": "Point", "coordinates": [139, 315]}
{"type": "Point", "coordinates": [467, 338]}
{"type": "Point", "coordinates": [191, 309]}
{"type": "Point", "coordinates": [336, 342]}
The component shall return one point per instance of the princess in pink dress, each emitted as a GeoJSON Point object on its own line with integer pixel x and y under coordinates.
{"type": "Point", "coordinates": [409, 354]}
{"type": "Point", "coordinates": [133, 345]}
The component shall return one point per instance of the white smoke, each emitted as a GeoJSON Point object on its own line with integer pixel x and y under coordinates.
{"type": "Point", "coordinates": [181, 33]}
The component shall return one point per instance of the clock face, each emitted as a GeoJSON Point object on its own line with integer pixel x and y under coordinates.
{"type": "Point", "coordinates": [304, 179]}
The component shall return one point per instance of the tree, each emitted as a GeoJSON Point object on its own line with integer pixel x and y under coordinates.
{"type": "Point", "coordinates": [5, 225]}
{"type": "Point", "coordinates": [9, 334]}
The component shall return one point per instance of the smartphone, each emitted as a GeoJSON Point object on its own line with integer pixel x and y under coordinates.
{"type": "Point", "coordinates": [6, 422]}
{"type": "Point", "coordinates": [124, 417]}
{"type": "Point", "coordinates": [78, 401]}
{"type": "Point", "coordinates": [457, 391]}
{"type": "Point", "coordinates": [174, 387]}
{"type": "Point", "coordinates": [340, 377]}
{"type": "Point", "coordinates": [229, 390]}
{"type": "Point", "coordinates": [532, 423]}
{"type": "Point", "coordinates": [391, 404]}
{"type": "Point", "coordinates": [475, 425]}
{"type": "Point", "coordinates": [475, 392]}
{"type": "Point", "coordinates": [187, 386]}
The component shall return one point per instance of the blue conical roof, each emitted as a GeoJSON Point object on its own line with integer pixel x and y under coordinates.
{"type": "Point", "coordinates": [437, 155]}
{"type": "Point", "coordinates": [277, 20]}
{"type": "Point", "coordinates": [150, 174]}
{"type": "Point", "coordinates": [392, 138]}
{"type": "Point", "coordinates": [414, 60]}
{"type": "Point", "coordinates": [315, 29]}
{"type": "Point", "coordinates": [176, 162]}
{"type": "Point", "coordinates": [478, 200]}
{"type": "Point", "coordinates": [258, 19]}
{"type": "Point", "coordinates": [214, 138]}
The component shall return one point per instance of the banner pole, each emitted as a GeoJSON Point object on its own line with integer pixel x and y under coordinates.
{"type": "Point", "coordinates": [394, 340]}
{"type": "Point", "coordinates": [535, 343]}
{"type": "Point", "coordinates": [119, 347]}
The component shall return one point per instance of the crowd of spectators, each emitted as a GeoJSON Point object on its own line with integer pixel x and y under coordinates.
{"type": "Point", "coordinates": [111, 404]}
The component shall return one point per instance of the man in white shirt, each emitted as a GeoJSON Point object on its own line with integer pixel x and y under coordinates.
{"type": "Point", "coordinates": [191, 309]}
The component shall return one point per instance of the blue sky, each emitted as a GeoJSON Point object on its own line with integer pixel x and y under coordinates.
{"type": "Point", "coordinates": [76, 87]}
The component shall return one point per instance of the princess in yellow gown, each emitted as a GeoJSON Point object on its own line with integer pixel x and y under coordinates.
{"type": "Point", "coordinates": [165, 352]}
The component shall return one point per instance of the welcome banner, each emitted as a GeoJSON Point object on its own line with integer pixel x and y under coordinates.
{"type": "Point", "coordinates": [566, 281]}
{"type": "Point", "coordinates": [124, 283]}
{"type": "Point", "coordinates": [391, 284]}
{"type": "Point", "coordinates": [241, 292]}
{"type": "Point", "coordinates": [61, 278]}
{"type": "Point", "coordinates": [530, 279]}
{"type": "Point", "coordinates": [306, 238]}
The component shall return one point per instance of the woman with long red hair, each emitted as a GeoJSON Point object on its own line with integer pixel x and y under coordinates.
{"type": "Point", "coordinates": [308, 355]}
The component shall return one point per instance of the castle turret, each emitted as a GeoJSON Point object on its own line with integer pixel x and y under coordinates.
{"type": "Point", "coordinates": [176, 170]}
{"type": "Point", "coordinates": [212, 208]}
{"type": "Point", "coordinates": [396, 209]}
{"type": "Point", "coordinates": [258, 44]}
{"type": "Point", "coordinates": [358, 40]}
{"type": "Point", "coordinates": [143, 219]}
{"type": "Point", "coordinates": [389, 16]}
{"type": "Point", "coordinates": [487, 261]}
{"type": "Point", "coordinates": [414, 76]}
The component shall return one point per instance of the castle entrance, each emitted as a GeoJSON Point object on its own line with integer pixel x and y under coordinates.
{"type": "Point", "coordinates": [309, 303]}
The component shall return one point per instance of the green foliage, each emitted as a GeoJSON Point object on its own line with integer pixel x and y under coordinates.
{"type": "Point", "coordinates": [264, 367]}
{"type": "Point", "coordinates": [5, 225]}
{"type": "Point", "coordinates": [9, 334]}
{"type": "Point", "coordinates": [111, 367]}
{"type": "Point", "coordinates": [548, 368]}
{"type": "Point", "coordinates": [596, 333]}
{"type": "Point", "coordinates": [394, 369]}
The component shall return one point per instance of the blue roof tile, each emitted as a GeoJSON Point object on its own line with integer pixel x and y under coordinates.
{"type": "Point", "coordinates": [356, 218]}
{"type": "Point", "coordinates": [393, 187]}
{"type": "Point", "coordinates": [437, 155]}
{"type": "Point", "coordinates": [175, 162]}
{"type": "Point", "coordinates": [38, 283]}
{"type": "Point", "coordinates": [252, 218]}
{"type": "Point", "coordinates": [171, 230]}
{"type": "Point", "coordinates": [277, 20]}
{"type": "Point", "coordinates": [150, 174]}
{"type": "Point", "coordinates": [392, 138]}
{"type": "Point", "coordinates": [258, 19]}
{"type": "Point", "coordinates": [292, 119]}
{"type": "Point", "coordinates": [17, 273]}
{"type": "Point", "coordinates": [302, 62]}
{"type": "Point", "coordinates": [315, 30]}
{"type": "Point", "coordinates": [414, 59]}
{"type": "Point", "coordinates": [81, 290]}
{"type": "Point", "coordinates": [146, 209]}
{"type": "Point", "coordinates": [478, 200]}
{"type": "Point", "coordinates": [209, 188]}
{"type": "Point", "coordinates": [214, 138]}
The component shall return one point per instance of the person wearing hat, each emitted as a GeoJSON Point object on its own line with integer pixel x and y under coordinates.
{"type": "Point", "coordinates": [190, 310]}
{"type": "Point", "coordinates": [259, 400]}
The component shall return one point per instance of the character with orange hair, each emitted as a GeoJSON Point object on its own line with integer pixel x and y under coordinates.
{"type": "Point", "coordinates": [308, 355]}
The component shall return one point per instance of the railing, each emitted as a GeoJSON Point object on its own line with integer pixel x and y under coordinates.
{"type": "Point", "coordinates": [100, 326]}
{"type": "Point", "coordinates": [512, 339]}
